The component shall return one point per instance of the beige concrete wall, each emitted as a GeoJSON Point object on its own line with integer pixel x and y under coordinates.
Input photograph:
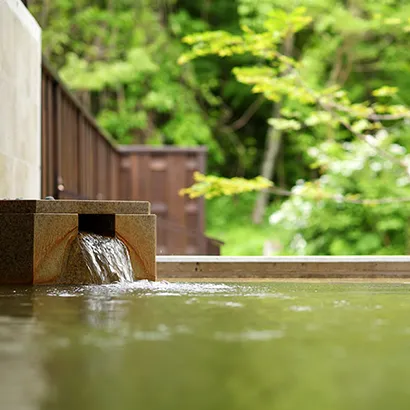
{"type": "Point", "coordinates": [20, 99]}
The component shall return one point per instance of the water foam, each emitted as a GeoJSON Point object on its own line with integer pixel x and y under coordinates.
{"type": "Point", "coordinates": [146, 288]}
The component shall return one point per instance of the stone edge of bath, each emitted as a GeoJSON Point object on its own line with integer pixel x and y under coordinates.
{"type": "Point", "coordinates": [67, 206]}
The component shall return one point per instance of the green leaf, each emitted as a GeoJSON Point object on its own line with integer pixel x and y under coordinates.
{"type": "Point", "coordinates": [385, 91]}
{"type": "Point", "coordinates": [284, 124]}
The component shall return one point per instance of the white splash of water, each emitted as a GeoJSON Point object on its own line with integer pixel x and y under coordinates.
{"type": "Point", "coordinates": [107, 258]}
{"type": "Point", "coordinates": [229, 304]}
{"type": "Point", "coordinates": [300, 308]}
{"type": "Point", "coordinates": [340, 303]}
{"type": "Point", "coordinates": [147, 288]}
{"type": "Point", "coordinates": [250, 335]}
{"type": "Point", "coordinates": [164, 288]}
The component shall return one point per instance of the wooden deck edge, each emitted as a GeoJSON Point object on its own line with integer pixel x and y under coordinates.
{"type": "Point", "coordinates": [334, 281]}
{"type": "Point", "coordinates": [321, 267]}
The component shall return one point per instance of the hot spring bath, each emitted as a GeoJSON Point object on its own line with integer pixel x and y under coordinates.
{"type": "Point", "coordinates": [205, 346]}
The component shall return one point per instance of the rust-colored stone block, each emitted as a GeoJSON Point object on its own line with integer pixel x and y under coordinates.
{"type": "Point", "coordinates": [39, 239]}
{"type": "Point", "coordinates": [139, 235]}
{"type": "Point", "coordinates": [76, 271]}
{"type": "Point", "coordinates": [53, 238]}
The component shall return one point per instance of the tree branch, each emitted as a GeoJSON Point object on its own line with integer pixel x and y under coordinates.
{"type": "Point", "coordinates": [248, 114]}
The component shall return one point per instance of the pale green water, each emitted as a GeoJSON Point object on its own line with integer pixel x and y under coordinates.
{"type": "Point", "coordinates": [206, 346]}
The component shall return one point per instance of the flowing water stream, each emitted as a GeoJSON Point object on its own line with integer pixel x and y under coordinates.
{"type": "Point", "coordinates": [107, 258]}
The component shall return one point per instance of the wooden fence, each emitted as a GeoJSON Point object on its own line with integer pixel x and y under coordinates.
{"type": "Point", "coordinates": [80, 161]}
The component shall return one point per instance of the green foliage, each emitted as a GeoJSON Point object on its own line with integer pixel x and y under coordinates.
{"type": "Point", "coordinates": [282, 78]}
{"type": "Point", "coordinates": [323, 217]}
{"type": "Point", "coordinates": [211, 186]}
{"type": "Point", "coordinates": [228, 219]}
{"type": "Point", "coordinates": [339, 70]}
{"type": "Point", "coordinates": [364, 182]}
{"type": "Point", "coordinates": [99, 75]}
{"type": "Point", "coordinates": [122, 56]}
{"type": "Point", "coordinates": [276, 27]}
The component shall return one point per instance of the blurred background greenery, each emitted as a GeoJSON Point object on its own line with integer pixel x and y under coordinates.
{"type": "Point", "coordinates": [120, 57]}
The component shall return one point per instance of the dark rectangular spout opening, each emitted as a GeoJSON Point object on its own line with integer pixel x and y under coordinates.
{"type": "Point", "coordinates": [100, 224]}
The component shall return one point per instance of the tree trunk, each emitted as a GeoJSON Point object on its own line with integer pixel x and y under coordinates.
{"type": "Point", "coordinates": [273, 141]}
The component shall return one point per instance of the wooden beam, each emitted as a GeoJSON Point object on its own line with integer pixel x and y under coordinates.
{"type": "Point", "coordinates": [190, 267]}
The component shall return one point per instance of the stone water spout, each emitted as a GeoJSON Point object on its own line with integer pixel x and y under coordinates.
{"type": "Point", "coordinates": [39, 239]}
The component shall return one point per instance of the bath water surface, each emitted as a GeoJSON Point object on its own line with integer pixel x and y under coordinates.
{"type": "Point", "coordinates": [195, 346]}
